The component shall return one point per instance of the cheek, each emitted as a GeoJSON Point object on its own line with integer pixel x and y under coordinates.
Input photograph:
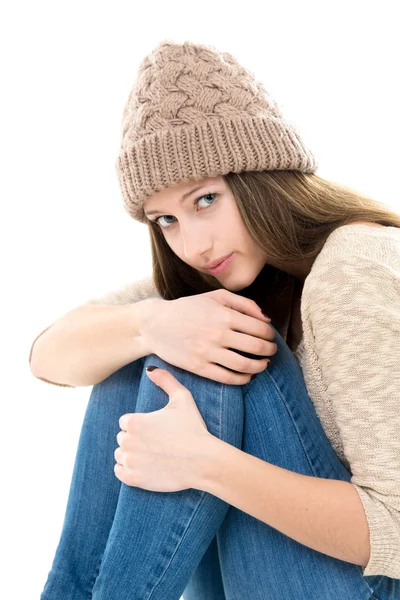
{"type": "Point", "coordinates": [239, 234]}
{"type": "Point", "coordinates": [175, 246]}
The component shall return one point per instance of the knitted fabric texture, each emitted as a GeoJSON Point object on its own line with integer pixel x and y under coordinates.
{"type": "Point", "coordinates": [349, 309]}
{"type": "Point", "coordinates": [195, 112]}
{"type": "Point", "coordinates": [349, 356]}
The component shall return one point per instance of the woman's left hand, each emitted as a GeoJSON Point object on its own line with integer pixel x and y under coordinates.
{"type": "Point", "coordinates": [165, 450]}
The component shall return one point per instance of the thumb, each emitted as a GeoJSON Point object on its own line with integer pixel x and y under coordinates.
{"type": "Point", "coordinates": [166, 381]}
{"type": "Point", "coordinates": [177, 392]}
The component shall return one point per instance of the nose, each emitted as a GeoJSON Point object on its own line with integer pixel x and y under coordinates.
{"type": "Point", "coordinates": [195, 243]}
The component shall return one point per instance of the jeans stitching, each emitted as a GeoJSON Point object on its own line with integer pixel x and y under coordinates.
{"type": "Point", "coordinates": [203, 495]}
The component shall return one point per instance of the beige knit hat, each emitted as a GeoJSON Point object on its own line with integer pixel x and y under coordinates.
{"type": "Point", "coordinates": [195, 112]}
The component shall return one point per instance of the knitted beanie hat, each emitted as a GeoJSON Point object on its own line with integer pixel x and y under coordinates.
{"type": "Point", "coordinates": [195, 112]}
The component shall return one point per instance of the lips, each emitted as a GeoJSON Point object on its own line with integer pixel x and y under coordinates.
{"type": "Point", "coordinates": [217, 262]}
{"type": "Point", "coordinates": [222, 266]}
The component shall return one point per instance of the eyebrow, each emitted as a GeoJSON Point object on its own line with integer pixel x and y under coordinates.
{"type": "Point", "coordinates": [184, 197]}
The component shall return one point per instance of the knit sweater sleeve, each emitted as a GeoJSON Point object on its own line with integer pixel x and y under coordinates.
{"type": "Point", "coordinates": [354, 314]}
{"type": "Point", "coordinates": [135, 291]}
{"type": "Point", "coordinates": [138, 290]}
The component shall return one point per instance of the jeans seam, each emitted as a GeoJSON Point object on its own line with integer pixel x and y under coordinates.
{"type": "Point", "coordinates": [203, 495]}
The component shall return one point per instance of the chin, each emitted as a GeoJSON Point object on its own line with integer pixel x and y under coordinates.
{"type": "Point", "coordinates": [242, 280]}
{"type": "Point", "coordinates": [236, 285]}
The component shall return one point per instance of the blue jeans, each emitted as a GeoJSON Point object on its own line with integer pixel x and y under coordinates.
{"type": "Point", "coordinates": [120, 542]}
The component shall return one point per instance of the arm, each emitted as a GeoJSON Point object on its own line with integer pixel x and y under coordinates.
{"type": "Point", "coordinates": [323, 514]}
{"type": "Point", "coordinates": [355, 320]}
{"type": "Point", "coordinates": [89, 343]}
{"type": "Point", "coordinates": [353, 305]}
{"type": "Point", "coordinates": [54, 352]}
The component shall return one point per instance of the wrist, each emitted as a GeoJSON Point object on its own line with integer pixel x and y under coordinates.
{"type": "Point", "coordinates": [148, 309]}
{"type": "Point", "coordinates": [214, 454]}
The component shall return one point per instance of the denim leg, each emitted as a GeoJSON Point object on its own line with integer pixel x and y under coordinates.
{"type": "Point", "coordinates": [157, 539]}
{"type": "Point", "coordinates": [94, 489]}
{"type": "Point", "coordinates": [162, 544]}
{"type": "Point", "coordinates": [206, 582]}
{"type": "Point", "coordinates": [257, 561]}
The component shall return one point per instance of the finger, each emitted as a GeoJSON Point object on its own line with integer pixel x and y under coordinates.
{"type": "Point", "coordinates": [120, 437]}
{"type": "Point", "coordinates": [243, 305]}
{"type": "Point", "coordinates": [118, 455]}
{"type": "Point", "coordinates": [124, 421]}
{"type": "Point", "coordinates": [229, 358]}
{"type": "Point", "coordinates": [120, 472]}
{"type": "Point", "coordinates": [217, 372]}
{"type": "Point", "coordinates": [165, 380]}
{"type": "Point", "coordinates": [251, 326]}
{"type": "Point", "coordinates": [234, 360]}
{"type": "Point", "coordinates": [249, 344]}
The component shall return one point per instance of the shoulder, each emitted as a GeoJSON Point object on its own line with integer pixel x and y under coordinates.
{"type": "Point", "coordinates": [361, 239]}
{"type": "Point", "coordinates": [358, 264]}
{"type": "Point", "coordinates": [128, 293]}
{"type": "Point", "coordinates": [360, 245]}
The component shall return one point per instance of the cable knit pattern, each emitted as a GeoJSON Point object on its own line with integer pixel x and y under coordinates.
{"type": "Point", "coordinates": [350, 358]}
{"type": "Point", "coordinates": [195, 112]}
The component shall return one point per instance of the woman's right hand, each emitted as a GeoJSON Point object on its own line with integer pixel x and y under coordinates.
{"type": "Point", "coordinates": [206, 333]}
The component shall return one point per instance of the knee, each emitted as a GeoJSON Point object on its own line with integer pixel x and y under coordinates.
{"type": "Point", "coordinates": [220, 405]}
{"type": "Point", "coordinates": [283, 353]}
{"type": "Point", "coordinates": [187, 378]}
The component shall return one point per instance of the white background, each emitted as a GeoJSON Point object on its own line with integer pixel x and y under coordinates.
{"type": "Point", "coordinates": [67, 69]}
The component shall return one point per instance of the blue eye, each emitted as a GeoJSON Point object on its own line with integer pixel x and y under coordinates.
{"type": "Point", "coordinates": [194, 203]}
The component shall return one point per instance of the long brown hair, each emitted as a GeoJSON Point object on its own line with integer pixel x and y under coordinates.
{"type": "Point", "coordinates": [289, 214]}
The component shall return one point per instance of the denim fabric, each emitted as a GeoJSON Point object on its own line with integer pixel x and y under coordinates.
{"type": "Point", "coordinates": [120, 542]}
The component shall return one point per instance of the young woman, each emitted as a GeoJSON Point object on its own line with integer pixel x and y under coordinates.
{"type": "Point", "coordinates": [261, 457]}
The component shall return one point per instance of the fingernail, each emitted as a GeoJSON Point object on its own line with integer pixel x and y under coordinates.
{"type": "Point", "coordinates": [151, 368]}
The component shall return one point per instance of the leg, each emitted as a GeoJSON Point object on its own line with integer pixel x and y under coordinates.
{"type": "Point", "coordinates": [94, 488]}
{"type": "Point", "coordinates": [158, 539]}
{"type": "Point", "coordinates": [226, 423]}
{"type": "Point", "coordinates": [206, 582]}
{"type": "Point", "coordinates": [281, 426]}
